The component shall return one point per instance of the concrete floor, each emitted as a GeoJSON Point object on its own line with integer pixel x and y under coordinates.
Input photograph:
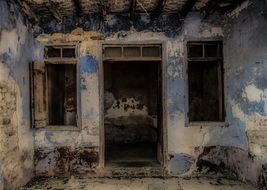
{"type": "Point", "coordinates": [132, 155]}
{"type": "Point", "coordinates": [137, 184]}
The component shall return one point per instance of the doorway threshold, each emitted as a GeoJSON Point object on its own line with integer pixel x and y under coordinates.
{"type": "Point", "coordinates": [133, 172]}
{"type": "Point", "coordinates": [133, 164]}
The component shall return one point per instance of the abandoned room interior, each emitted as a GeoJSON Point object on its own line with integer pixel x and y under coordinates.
{"type": "Point", "coordinates": [133, 94]}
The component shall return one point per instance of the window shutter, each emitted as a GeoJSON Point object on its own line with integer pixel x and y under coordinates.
{"type": "Point", "coordinates": [39, 95]}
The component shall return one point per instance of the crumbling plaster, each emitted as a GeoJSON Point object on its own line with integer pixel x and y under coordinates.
{"type": "Point", "coordinates": [17, 49]}
{"type": "Point", "coordinates": [181, 138]}
{"type": "Point", "coordinates": [77, 151]}
{"type": "Point", "coordinates": [245, 48]}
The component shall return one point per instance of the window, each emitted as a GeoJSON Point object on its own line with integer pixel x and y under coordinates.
{"type": "Point", "coordinates": [132, 52]}
{"type": "Point", "coordinates": [62, 99]}
{"type": "Point", "coordinates": [205, 82]}
{"type": "Point", "coordinates": [55, 88]}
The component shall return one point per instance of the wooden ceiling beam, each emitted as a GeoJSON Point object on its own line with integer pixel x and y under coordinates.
{"type": "Point", "coordinates": [53, 9]}
{"type": "Point", "coordinates": [232, 6]}
{"type": "Point", "coordinates": [103, 9]}
{"type": "Point", "coordinates": [210, 8]}
{"type": "Point", "coordinates": [78, 7]}
{"type": "Point", "coordinates": [27, 11]}
{"type": "Point", "coordinates": [188, 6]}
{"type": "Point", "coordinates": [132, 10]}
{"type": "Point", "coordinates": [159, 8]}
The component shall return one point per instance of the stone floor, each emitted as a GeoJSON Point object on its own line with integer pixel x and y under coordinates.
{"type": "Point", "coordinates": [137, 184]}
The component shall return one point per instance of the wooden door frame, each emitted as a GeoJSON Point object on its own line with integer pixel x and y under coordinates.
{"type": "Point", "coordinates": [163, 63]}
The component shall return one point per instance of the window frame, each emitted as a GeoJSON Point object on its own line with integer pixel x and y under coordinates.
{"type": "Point", "coordinates": [62, 60]}
{"type": "Point", "coordinates": [222, 89]}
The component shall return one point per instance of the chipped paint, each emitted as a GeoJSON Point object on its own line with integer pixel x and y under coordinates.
{"type": "Point", "coordinates": [17, 49]}
{"type": "Point", "coordinates": [235, 147]}
{"type": "Point", "coordinates": [117, 109]}
{"type": "Point", "coordinates": [253, 94]}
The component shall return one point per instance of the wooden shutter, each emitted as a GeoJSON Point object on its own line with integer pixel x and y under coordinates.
{"type": "Point", "coordinates": [39, 111]}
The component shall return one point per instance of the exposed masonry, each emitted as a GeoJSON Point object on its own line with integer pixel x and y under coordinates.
{"type": "Point", "coordinates": [236, 148]}
{"type": "Point", "coordinates": [17, 49]}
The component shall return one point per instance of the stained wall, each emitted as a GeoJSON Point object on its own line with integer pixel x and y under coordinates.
{"type": "Point", "coordinates": [183, 142]}
{"type": "Point", "coordinates": [17, 49]}
{"type": "Point", "coordinates": [235, 147]}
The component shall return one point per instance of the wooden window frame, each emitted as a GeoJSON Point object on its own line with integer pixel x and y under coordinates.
{"type": "Point", "coordinates": [218, 58]}
{"type": "Point", "coordinates": [59, 61]}
{"type": "Point", "coordinates": [141, 56]}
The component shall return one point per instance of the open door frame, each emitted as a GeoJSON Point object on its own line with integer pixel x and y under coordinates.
{"type": "Point", "coordinates": [163, 66]}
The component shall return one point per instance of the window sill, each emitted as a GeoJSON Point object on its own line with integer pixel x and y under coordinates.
{"type": "Point", "coordinates": [208, 124]}
{"type": "Point", "coordinates": [60, 128]}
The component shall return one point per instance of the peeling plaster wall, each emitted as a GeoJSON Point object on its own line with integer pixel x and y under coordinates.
{"type": "Point", "coordinates": [68, 152]}
{"type": "Point", "coordinates": [201, 148]}
{"type": "Point", "coordinates": [184, 143]}
{"type": "Point", "coordinates": [17, 49]}
{"type": "Point", "coordinates": [192, 148]}
{"type": "Point", "coordinates": [245, 47]}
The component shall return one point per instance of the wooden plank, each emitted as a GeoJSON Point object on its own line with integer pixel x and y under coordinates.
{"type": "Point", "coordinates": [39, 95]}
{"type": "Point", "coordinates": [132, 10]}
{"type": "Point", "coordinates": [53, 9]}
{"type": "Point", "coordinates": [210, 8]}
{"type": "Point", "coordinates": [187, 8]}
{"type": "Point", "coordinates": [103, 9]}
{"type": "Point", "coordinates": [220, 91]}
{"type": "Point", "coordinates": [28, 11]}
{"type": "Point", "coordinates": [132, 59]}
{"type": "Point", "coordinates": [157, 12]}
{"type": "Point", "coordinates": [232, 6]}
{"type": "Point", "coordinates": [78, 7]}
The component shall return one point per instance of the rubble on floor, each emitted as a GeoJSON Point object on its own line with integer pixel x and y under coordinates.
{"type": "Point", "coordinates": [136, 184]}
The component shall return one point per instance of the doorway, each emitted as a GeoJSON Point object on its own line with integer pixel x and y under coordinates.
{"type": "Point", "coordinates": [133, 119]}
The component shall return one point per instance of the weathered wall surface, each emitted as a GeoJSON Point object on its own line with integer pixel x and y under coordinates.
{"type": "Point", "coordinates": [17, 48]}
{"type": "Point", "coordinates": [70, 152]}
{"type": "Point", "coordinates": [216, 147]}
{"type": "Point", "coordinates": [183, 140]}
{"type": "Point", "coordinates": [245, 47]}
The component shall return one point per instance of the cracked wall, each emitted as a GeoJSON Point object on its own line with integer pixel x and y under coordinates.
{"type": "Point", "coordinates": [17, 49]}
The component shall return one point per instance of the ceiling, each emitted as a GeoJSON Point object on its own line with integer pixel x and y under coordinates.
{"type": "Point", "coordinates": [59, 9]}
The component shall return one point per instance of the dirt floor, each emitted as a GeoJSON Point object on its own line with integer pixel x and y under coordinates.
{"type": "Point", "coordinates": [137, 184]}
